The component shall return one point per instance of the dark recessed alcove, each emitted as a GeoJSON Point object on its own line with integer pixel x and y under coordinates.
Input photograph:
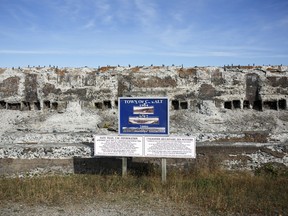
{"type": "Point", "coordinates": [26, 106]}
{"type": "Point", "coordinates": [99, 105]}
{"type": "Point", "coordinates": [246, 104]}
{"type": "Point", "coordinates": [2, 105]}
{"type": "Point", "coordinates": [175, 104]}
{"type": "Point", "coordinates": [55, 105]}
{"type": "Point", "coordinates": [107, 104]}
{"type": "Point", "coordinates": [270, 105]}
{"type": "Point", "coordinates": [14, 106]}
{"type": "Point", "coordinates": [47, 104]}
{"type": "Point", "coordinates": [257, 105]}
{"type": "Point", "coordinates": [236, 104]}
{"type": "Point", "coordinates": [228, 105]}
{"type": "Point", "coordinates": [184, 105]}
{"type": "Point", "coordinates": [116, 103]}
{"type": "Point", "coordinates": [37, 105]}
{"type": "Point", "coordinates": [282, 104]}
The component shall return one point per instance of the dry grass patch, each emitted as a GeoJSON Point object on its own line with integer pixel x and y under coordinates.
{"type": "Point", "coordinates": [60, 72]}
{"type": "Point", "coordinates": [105, 69]}
{"type": "Point", "coordinates": [216, 191]}
{"type": "Point", "coordinates": [186, 72]}
{"type": "Point", "coordinates": [135, 69]}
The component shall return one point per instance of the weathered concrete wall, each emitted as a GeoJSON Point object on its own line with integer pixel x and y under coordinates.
{"type": "Point", "coordinates": [241, 86]}
{"type": "Point", "coordinates": [52, 113]}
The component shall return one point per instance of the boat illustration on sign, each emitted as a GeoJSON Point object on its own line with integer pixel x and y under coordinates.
{"type": "Point", "coordinates": [138, 120]}
{"type": "Point", "coordinates": [143, 110]}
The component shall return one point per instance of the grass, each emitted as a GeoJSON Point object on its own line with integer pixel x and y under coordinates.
{"type": "Point", "coordinates": [217, 191]}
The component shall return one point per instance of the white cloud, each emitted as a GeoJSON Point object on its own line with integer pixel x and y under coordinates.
{"type": "Point", "coordinates": [32, 52]}
{"type": "Point", "coordinates": [99, 52]}
{"type": "Point", "coordinates": [97, 13]}
{"type": "Point", "coordinates": [146, 14]}
{"type": "Point", "coordinates": [174, 37]}
{"type": "Point", "coordinates": [197, 54]}
{"type": "Point", "coordinates": [90, 24]}
{"type": "Point", "coordinates": [177, 16]}
{"type": "Point", "coordinates": [103, 6]}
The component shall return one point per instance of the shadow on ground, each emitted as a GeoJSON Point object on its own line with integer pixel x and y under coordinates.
{"type": "Point", "coordinates": [109, 165]}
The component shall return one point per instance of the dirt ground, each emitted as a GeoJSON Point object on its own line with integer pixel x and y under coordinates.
{"type": "Point", "coordinates": [124, 207]}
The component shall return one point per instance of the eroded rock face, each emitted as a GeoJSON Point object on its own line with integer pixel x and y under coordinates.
{"type": "Point", "coordinates": [239, 87]}
{"type": "Point", "coordinates": [49, 106]}
{"type": "Point", "coordinates": [9, 86]}
{"type": "Point", "coordinates": [207, 92]}
{"type": "Point", "coordinates": [278, 81]}
{"type": "Point", "coordinates": [30, 90]}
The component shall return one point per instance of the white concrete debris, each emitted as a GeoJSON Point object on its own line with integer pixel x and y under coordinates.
{"type": "Point", "coordinates": [60, 152]}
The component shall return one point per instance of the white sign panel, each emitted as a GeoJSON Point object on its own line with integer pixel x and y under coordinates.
{"type": "Point", "coordinates": [129, 146]}
{"type": "Point", "coordinates": [134, 146]}
{"type": "Point", "coordinates": [170, 147]}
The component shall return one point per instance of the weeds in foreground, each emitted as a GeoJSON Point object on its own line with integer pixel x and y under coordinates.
{"type": "Point", "coordinates": [217, 191]}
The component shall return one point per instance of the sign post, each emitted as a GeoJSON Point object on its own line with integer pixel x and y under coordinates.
{"type": "Point", "coordinates": [164, 170]}
{"type": "Point", "coordinates": [124, 166]}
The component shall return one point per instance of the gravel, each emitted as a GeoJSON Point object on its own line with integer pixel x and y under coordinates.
{"type": "Point", "coordinates": [100, 208]}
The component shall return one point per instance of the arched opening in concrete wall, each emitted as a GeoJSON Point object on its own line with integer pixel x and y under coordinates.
{"type": "Point", "coordinates": [246, 104]}
{"type": "Point", "coordinates": [184, 105]}
{"type": "Point", "coordinates": [116, 103]}
{"type": "Point", "coordinates": [37, 105]}
{"type": "Point", "coordinates": [270, 105]}
{"type": "Point", "coordinates": [55, 105]}
{"type": "Point", "coordinates": [257, 105]}
{"type": "Point", "coordinates": [14, 106]}
{"type": "Point", "coordinates": [26, 106]}
{"type": "Point", "coordinates": [236, 104]}
{"type": "Point", "coordinates": [175, 104]}
{"type": "Point", "coordinates": [282, 104]}
{"type": "Point", "coordinates": [227, 105]}
{"type": "Point", "coordinates": [2, 105]}
{"type": "Point", "coordinates": [47, 104]}
{"type": "Point", "coordinates": [107, 104]}
{"type": "Point", "coordinates": [99, 105]}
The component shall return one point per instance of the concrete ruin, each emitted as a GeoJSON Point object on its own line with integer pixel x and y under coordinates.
{"type": "Point", "coordinates": [49, 115]}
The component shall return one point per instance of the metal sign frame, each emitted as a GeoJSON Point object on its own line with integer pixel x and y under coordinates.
{"type": "Point", "coordinates": [143, 116]}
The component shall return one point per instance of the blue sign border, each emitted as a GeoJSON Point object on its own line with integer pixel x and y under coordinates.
{"type": "Point", "coordinates": [143, 115]}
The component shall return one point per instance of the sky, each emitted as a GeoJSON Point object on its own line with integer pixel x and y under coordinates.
{"type": "Point", "coordinates": [78, 33]}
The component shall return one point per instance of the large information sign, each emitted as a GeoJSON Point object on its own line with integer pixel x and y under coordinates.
{"type": "Point", "coordinates": [135, 146]}
{"type": "Point", "coordinates": [143, 115]}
